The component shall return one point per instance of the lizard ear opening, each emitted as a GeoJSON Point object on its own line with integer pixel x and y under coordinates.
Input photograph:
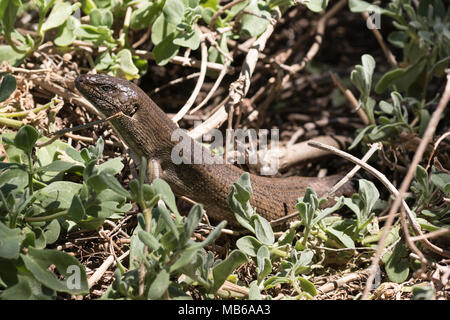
{"type": "Point", "coordinates": [134, 108]}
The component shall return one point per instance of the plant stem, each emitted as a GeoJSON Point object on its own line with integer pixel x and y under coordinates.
{"type": "Point", "coordinates": [10, 122]}
{"type": "Point", "coordinates": [30, 173]}
{"type": "Point", "coordinates": [279, 252]}
{"type": "Point", "coordinates": [46, 218]}
{"type": "Point", "coordinates": [27, 112]}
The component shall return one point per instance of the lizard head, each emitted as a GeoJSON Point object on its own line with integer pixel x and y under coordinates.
{"type": "Point", "coordinates": [110, 95]}
{"type": "Point", "coordinates": [143, 125]}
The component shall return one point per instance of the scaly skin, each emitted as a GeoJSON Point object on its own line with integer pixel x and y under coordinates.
{"type": "Point", "coordinates": [147, 131]}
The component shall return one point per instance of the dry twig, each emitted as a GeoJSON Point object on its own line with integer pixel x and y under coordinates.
{"type": "Point", "coordinates": [198, 86]}
{"type": "Point", "coordinates": [428, 135]}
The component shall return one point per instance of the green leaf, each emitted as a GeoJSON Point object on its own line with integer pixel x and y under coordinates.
{"type": "Point", "coordinates": [368, 63]}
{"type": "Point", "coordinates": [165, 215]}
{"type": "Point", "coordinates": [327, 211]}
{"type": "Point", "coordinates": [136, 246]}
{"type": "Point", "coordinates": [386, 107]}
{"type": "Point", "coordinates": [222, 270]}
{"type": "Point", "coordinates": [40, 242]}
{"type": "Point", "coordinates": [104, 181]}
{"type": "Point", "coordinates": [388, 79]}
{"type": "Point", "coordinates": [52, 231]}
{"type": "Point", "coordinates": [213, 4]}
{"type": "Point", "coordinates": [50, 153]}
{"type": "Point", "coordinates": [7, 87]}
{"type": "Point", "coordinates": [9, 12]}
{"type": "Point", "coordinates": [113, 166]}
{"type": "Point", "coordinates": [187, 256]}
{"type": "Point", "coordinates": [192, 221]}
{"type": "Point", "coordinates": [305, 258]}
{"type": "Point", "coordinates": [361, 76]}
{"type": "Point", "coordinates": [317, 5]}
{"type": "Point", "coordinates": [253, 25]}
{"type": "Point", "coordinates": [397, 264]}
{"type": "Point", "coordinates": [439, 67]}
{"type": "Point", "coordinates": [98, 34]}
{"type": "Point", "coordinates": [238, 200]}
{"type": "Point", "coordinates": [144, 16]}
{"type": "Point", "coordinates": [287, 237]}
{"type": "Point", "coordinates": [307, 286]}
{"type": "Point", "coordinates": [263, 230]}
{"type": "Point", "coordinates": [424, 120]}
{"type": "Point", "coordinates": [87, 6]}
{"type": "Point", "coordinates": [369, 194]}
{"type": "Point", "coordinates": [163, 189]}
{"type": "Point", "coordinates": [345, 239]}
{"type": "Point", "coordinates": [25, 138]}
{"type": "Point", "coordinates": [423, 292]}
{"type": "Point", "coordinates": [105, 209]}
{"type": "Point", "coordinates": [76, 209]}
{"type": "Point", "coordinates": [104, 61]}
{"type": "Point", "coordinates": [3, 4]}
{"type": "Point", "coordinates": [244, 188]}
{"type": "Point", "coordinates": [188, 39]}
{"type": "Point", "coordinates": [165, 50]}
{"type": "Point", "coordinates": [58, 165]}
{"type": "Point", "coordinates": [207, 15]}
{"type": "Point", "coordinates": [11, 56]}
{"type": "Point", "coordinates": [10, 240]}
{"type": "Point", "coordinates": [58, 193]}
{"type": "Point", "coordinates": [159, 285]}
{"type": "Point", "coordinates": [13, 179]}
{"type": "Point", "coordinates": [59, 14]}
{"type": "Point", "coordinates": [161, 30]}
{"type": "Point", "coordinates": [410, 75]}
{"type": "Point", "coordinates": [101, 17]}
{"type": "Point", "coordinates": [149, 240]}
{"type": "Point", "coordinates": [249, 245]}
{"type": "Point", "coordinates": [442, 181]}
{"type": "Point", "coordinates": [360, 136]}
{"type": "Point", "coordinates": [421, 176]}
{"type": "Point", "coordinates": [264, 265]}
{"type": "Point", "coordinates": [213, 235]}
{"type": "Point", "coordinates": [38, 262]}
{"type": "Point", "coordinates": [173, 11]}
{"type": "Point", "coordinates": [27, 288]}
{"type": "Point", "coordinates": [398, 38]}
{"type": "Point", "coordinates": [127, 65]}
{"type": "Point", "coordinates": [360, 6]}
{"type": "Point", "coordinates": [254, 293]}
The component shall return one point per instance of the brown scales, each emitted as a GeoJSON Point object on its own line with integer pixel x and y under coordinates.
{"type": "Point", "coordinates": [147, 130]}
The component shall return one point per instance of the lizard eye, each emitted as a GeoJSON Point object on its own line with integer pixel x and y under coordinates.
{"type": "Point", "coordinates": [106, 88]}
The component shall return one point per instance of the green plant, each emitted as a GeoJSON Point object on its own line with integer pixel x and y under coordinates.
{"type": "Point", "coordinates": [428, 190]}
{"type": "Point", "coordinates": [174, 25]}
{"type": "Point", "coordinates": [38, 203]}
{"type": "Point", "coordinates": [265, 250]}
{"type": "Point", "coordinates": [161, 249]}
{"type": "Point", "coordinates": [423, 35]}
{"type": "Point", "coordinates": [295, 252]}
{"type": "Point", "coordinates": [399, 112]}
